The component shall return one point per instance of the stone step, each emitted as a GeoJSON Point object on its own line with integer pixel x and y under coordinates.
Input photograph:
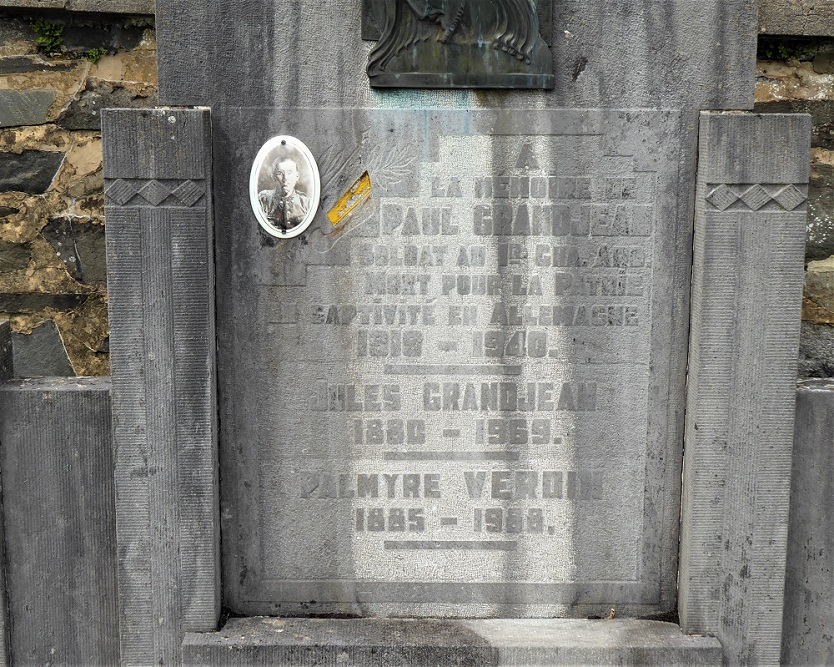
{"type": "Point", "coordinates": [298, 642]}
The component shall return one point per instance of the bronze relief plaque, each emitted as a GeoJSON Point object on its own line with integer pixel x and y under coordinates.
{"type": "Point", "coordinates": [458, 43]}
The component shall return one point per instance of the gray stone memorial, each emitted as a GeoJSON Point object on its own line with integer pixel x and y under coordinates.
{"type": "Point", "coordinates": [459, 392]}
{"type": "Point", "coordinates": [460, 398]}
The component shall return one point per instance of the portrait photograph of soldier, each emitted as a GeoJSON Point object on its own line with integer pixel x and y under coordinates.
{"type": "Point", "coordinates": [285, 179]}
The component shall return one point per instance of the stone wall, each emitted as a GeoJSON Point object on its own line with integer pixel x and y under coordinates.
{"type": "Point", "coordinates": [797, 75]}
{"type": "Point", "coordinates": [57, 71]}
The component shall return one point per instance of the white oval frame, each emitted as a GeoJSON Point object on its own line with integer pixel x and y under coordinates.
{"type": "Point", "coordinates": [267, 151]}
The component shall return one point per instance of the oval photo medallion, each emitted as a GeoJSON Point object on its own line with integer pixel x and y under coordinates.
{"type": "Point", "coordinates": [284, 187]}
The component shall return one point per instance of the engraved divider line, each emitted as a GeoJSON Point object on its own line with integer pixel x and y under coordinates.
{"type": "Point", "coordinates": [466, 545]}
{"type": "Point", "coordinates": [450, 456]}
{"type": "Point", "coordinates": [456, 369]}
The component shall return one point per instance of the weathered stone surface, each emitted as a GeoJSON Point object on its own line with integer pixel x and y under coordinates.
{"type": "Point", "coordinates": [84, 112]}
{"type": "Point", "coordinates": [818, 301]}
{"type": "Point", "coordinates": [816, 351]}
{"type": "Point", "coordinates": [822, 117]}
{"type": "Point", "coordinates": [824, 63]}
{"type": "Point", "coordinates": [796, 17]}
{"type": "Point", "coordinates": [425, 643]}
{"type": "Point", "coordinates": [30, 171]}
{"type": "Point", "coordinates": [182, 157]}
{"type": "Point", "coordinates": [161, 301]}
{"type": "Point", "coordinates": [60, 551]}
{"type": "Point", "coordinates": [6, 211]}
{"type": "Point", "coordinates": [820, 233]}
{"type": "Point", "coordinates": [108, 6]}
{"type": "Point", "coordinates": [81, 247]}
{"type": "Point", "coordinates": [27, 64]}
{"type": "Point", "coordinates": [105, 34]}
{"type": "Point", "coordinates": [13, 31]}
{"type": "Point", "coordinates": [809, 586]}
{"type": "Point", "coordinates": [6, 374]}
{"type": "Point", "coordinates": [749, 244]}
{"type": "Point", "coordinates": [790, 77]}
{"type": "Point", "coordinates": [472, 239]}
{"type": "Point", "coordinates": [14, 256]}
{"type": "Point", "coordinates": [32, 302]}
{"type": "Point", "coordinates": [41, 353]}
{"type": "Point", "coordinates": [25, 107]}
{"type": "Point", "coordinates": [610, 53]}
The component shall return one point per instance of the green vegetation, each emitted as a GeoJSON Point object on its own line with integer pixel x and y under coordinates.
{"type": "Point", "coordinates": [49, 36]}
{"type": "Point", "coordinates": [791, 48]}
{"type": "Point", "coordinates": [94, 55]}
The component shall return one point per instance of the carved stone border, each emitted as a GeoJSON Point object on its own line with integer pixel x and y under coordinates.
{"type": "Point", "coordinates": [746, 294]}
{"type": "Point", "coordinates": [162, 344]}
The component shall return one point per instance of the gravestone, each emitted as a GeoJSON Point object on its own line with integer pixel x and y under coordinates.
{"type": "Point", "coordinates": [483, 359]}
{"type": "Point", "coordinates": [459, 392]}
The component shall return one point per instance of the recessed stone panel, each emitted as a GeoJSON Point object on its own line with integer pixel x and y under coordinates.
{"type": "Point", "coordinates": [463, 396]}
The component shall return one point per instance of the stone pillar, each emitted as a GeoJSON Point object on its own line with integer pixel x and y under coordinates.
{"type": "Point", "coordinates": [58, 519]}
{"type": "Point", "coordinates": [157, 169]}
{"type": "Point", "coordinates": [809, 584]}
{"type": "Point", "coordinates": [746, 292]}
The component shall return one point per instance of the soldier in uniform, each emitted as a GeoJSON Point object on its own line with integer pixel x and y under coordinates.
{"type": "Point", "coordinates": [285, 207]}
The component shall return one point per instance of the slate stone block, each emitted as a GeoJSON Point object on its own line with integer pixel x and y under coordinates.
{"type": "Point", "coordinates": [427, 643]}
{"type": "Point", "coordinates": [819, 243]}
{"type": "Point", "coordinates": [25, 107]}
{"type": "Point", "coordinates": [60, 551]}
{"type": "Point", "coordinates": [31, 172]}
{"type": "Point", "coordinates": [809, 586]}
{"type": "Point", "coordinates": [796, 17]}
{"type": "Point", "coordinates": [81, 247]}
{"type": "Point", "coordinates": [13, 29]}
{"type": "Point", "coordinates": [32, 302]}
{"type": "Point", "coordinates": [824, 63]}
{"type": "Point", "coordinates": [741, 382]}
{"type": "Point", "coordinates": [41, 353]}
{"type": "Point", "coordinates": [160, 267]}
{"type": "Point", "coordinates": [26, 64]}
{"type": "Point", "coordinates": [822, 117]}
{"type": "Point", "coordinates": [6, 354]}
{"type": "Point", "coordinates": [14, 256]}
{"type": "Point", "coordinates": [103, 34]}
{"type": "Point", "coordinates": [816, 351]}
{"type": "Point", "coordinates": [84, 112]}
{"type": "Point", "coordinates": [105, 6]}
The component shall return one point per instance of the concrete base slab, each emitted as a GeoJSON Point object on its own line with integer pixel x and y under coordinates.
{"type": "Point", "coordinates": [371, 642]}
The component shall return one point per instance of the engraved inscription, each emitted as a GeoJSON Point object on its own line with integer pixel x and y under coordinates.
{"type": "Point", "coordinates": [488, 308]}
{"type": "Point", "coordinates": [451, 392]}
